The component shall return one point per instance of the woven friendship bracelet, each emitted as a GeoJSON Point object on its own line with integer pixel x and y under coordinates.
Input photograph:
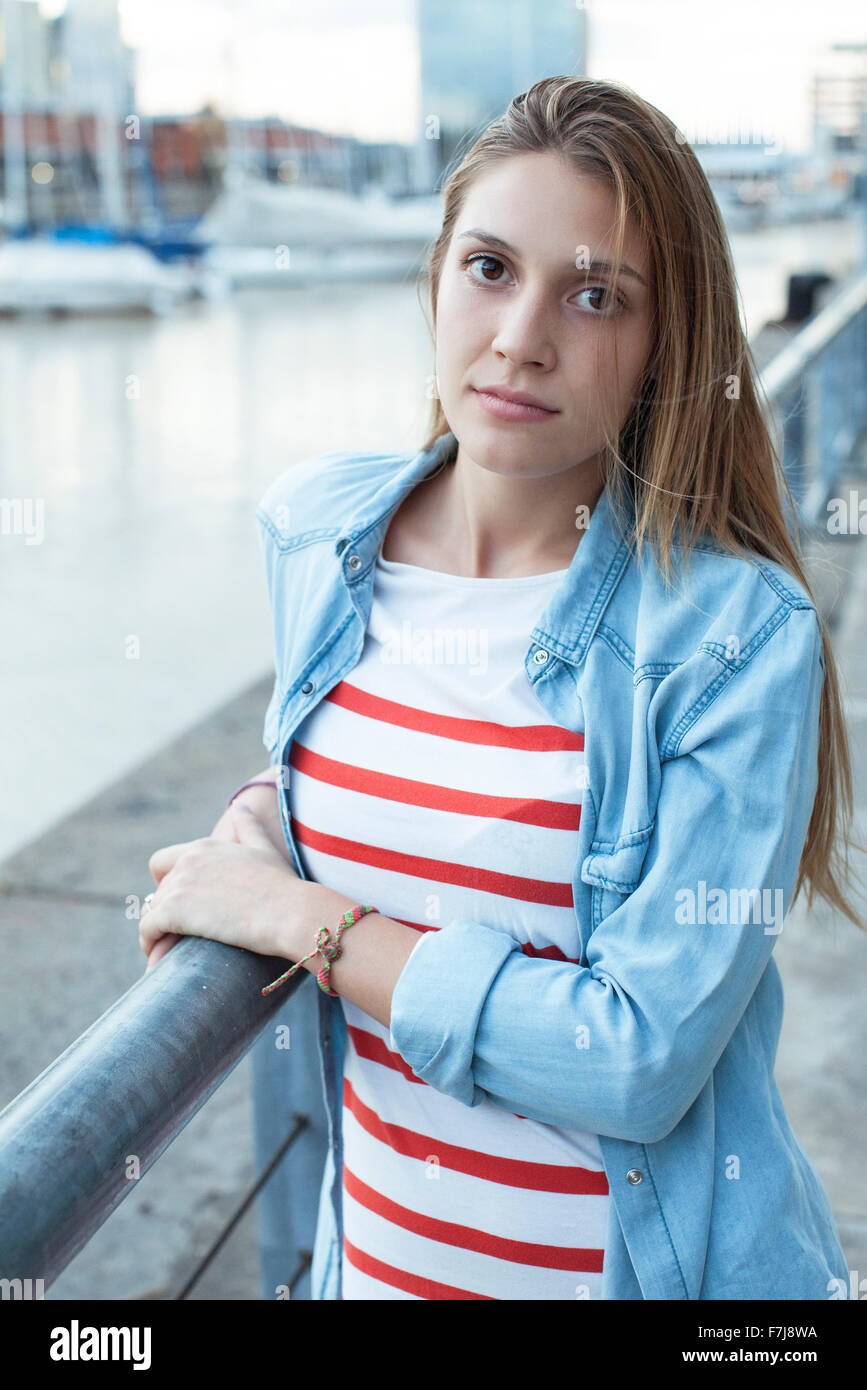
{"type": "Point", "coordinates": [328, 947]}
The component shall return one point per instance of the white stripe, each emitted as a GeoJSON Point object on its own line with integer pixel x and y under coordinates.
{"type": "Point", "coordinates": [432, 1188]}
{"type": "Point", "coordinates": [486, 840]}
{"type": "Point", "coordinates": [460, 1268]}
{"type": "Point", "coordinates": [407, 897]}
{"type": "Point", "coordinates": [379, 746]}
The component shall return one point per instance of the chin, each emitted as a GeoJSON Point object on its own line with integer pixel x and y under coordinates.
{"type": "Point", "coordinates": [518, 460]}
{"type": "Point", "coordinates": [494, 450]}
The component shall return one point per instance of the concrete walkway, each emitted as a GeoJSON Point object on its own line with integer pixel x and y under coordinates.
{"type": "Point", "coordinates": [68, 952]}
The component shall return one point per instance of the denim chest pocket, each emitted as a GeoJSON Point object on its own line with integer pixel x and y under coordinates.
{"type": "Point", "coordinates": [613, 871]}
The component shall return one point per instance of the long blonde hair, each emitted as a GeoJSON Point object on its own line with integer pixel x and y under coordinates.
{"type": "Point", "coordinates": [693, 466]}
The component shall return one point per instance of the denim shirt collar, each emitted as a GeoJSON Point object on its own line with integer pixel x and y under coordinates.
{"type": "Point", "coordinates": [575, 610]}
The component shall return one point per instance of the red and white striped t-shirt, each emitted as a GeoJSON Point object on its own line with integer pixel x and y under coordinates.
{"type": "Point", "coordinates": [432, 783]}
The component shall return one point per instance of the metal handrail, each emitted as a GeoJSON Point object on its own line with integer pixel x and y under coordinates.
{"type": "Point", "coordinates": [816, 385]}
{"type": "Point", "coordinates": [816, 335]}
{"type": "Point", "coordinates": [123, 1091]}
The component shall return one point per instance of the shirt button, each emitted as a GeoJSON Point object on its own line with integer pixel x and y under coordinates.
{"type": "Point", "coordinates": [634, 1176]}
{"type": "Point", "coordinates": [354, 562]}
{"type": "Point", "coordinates": [540, 656]}
{"type": "Point", "coordinates": [306, 687]}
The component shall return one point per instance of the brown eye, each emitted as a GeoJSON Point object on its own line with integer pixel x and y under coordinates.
{"type": "Point", "coordinates": [608, 305]}
{"type": "Point", "coordinates": [487, 262]}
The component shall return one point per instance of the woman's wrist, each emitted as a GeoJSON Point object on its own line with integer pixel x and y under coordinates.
{"type": "Point", "coordinates": [306, 907]}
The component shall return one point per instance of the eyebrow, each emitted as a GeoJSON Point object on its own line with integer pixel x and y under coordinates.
{"type": "Point", "coordinates": [604, 266]}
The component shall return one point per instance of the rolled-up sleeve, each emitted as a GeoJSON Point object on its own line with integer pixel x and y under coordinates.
{"type": "Point", "coordinates": [623, 1045]}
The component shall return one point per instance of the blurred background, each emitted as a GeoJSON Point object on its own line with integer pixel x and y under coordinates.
{"type": "Point", "coordinates": [212, 216]}
{"type": "Point", "coordinates": [249, 190]}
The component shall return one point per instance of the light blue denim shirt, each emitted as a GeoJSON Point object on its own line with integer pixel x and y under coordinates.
{"type": "Point", "coordinates": [700, 710]}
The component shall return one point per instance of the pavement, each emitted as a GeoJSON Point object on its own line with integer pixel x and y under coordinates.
{"type": "Point", "coordinates": [69, 951]}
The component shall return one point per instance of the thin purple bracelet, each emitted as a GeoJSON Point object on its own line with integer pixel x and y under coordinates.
{"type": "Point", "coordinates": [258, 783]}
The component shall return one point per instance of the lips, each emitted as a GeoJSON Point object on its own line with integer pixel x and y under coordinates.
{"type": "Point", "coordinates": [517, 397]}
{"type": "Point", "coordinates": [502, 405]}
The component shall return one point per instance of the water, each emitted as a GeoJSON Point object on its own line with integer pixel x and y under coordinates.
{"type": "Point", "coordinates": [150, 443]}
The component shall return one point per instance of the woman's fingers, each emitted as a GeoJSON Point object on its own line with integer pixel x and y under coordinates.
{"type": "Point", "coordinates": [162, 946]}
{"type": "Point", "coordinates": [163, 860]}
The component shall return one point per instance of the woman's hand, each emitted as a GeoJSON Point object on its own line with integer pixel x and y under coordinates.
{"type": "Point", "coordinates": [265, 804]}
{"type": "Point", "coordinates": [241, 891]}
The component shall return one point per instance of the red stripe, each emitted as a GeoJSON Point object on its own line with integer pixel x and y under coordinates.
{"type": "Point", "coordinates": [534, 738]}
{"type": "Point", "coordinates": [399, 1279]}
{"type": "Point", "coordinates": [511, 1172]}
{"type": "Point", "coordinates": [527, 890]}
{"type": "Point", "coordinates": [540, 952]}
{"type": "Point", "coordinates": [521, 1252]}
{"type": "Point", "coordinates": [553, 815]}
{"type": "Point", "coordinates": [373, 1049]}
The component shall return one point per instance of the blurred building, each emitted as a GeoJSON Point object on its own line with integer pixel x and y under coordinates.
{"type": "Point", "coordinates": [25, 34]}
{"type": "Point", "coordinates": [77, 152]}
{"type": "Point", "coordinates": [91, 66]}
{"type": "Point", "coordinates": [475, 57]}
{"type": "Point", "coordinates": [67, 83]}
{"type": "Point", "coordinates": [839, 110]}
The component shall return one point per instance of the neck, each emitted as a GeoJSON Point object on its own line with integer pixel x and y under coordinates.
{"type": "Point", "coordinates": [501, 527]}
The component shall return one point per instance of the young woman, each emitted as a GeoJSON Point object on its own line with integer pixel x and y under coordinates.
{"type": "Point", "coordinates": [575, 780]}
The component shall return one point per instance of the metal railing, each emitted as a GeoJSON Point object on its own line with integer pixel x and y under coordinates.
{"type": "Point", "coordinates": [134, 1079]}
{"type": "Point", "coordinates": [817, 387]}
{"type": "Point", "coordinates": [124, 1091]}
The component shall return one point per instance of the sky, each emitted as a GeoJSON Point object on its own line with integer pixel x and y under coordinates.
{"type": "Point", "coordinates": [351, 66]}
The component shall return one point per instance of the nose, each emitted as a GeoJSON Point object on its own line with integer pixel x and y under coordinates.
{"type": "Point", "coordinates": [524, 333]}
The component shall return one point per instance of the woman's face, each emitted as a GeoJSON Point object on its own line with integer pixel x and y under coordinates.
{"type": "Point", "coordinates": [530, 319]}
